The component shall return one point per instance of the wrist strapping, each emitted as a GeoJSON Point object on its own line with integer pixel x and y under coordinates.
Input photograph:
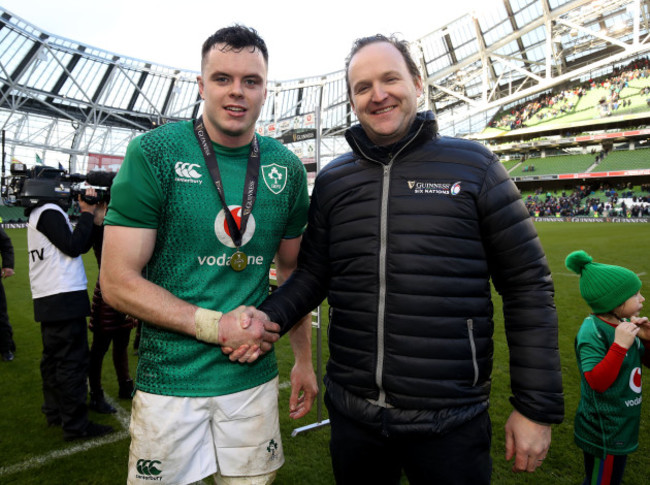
{"type": "Point", "coordinates": [207, 325]}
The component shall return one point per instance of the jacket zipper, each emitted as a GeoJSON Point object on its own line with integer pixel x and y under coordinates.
{"type": "Point", "coordinates": [383, 241]}
{"type": "Point", "coordinates": [472, 345]}
{"type": "Point", "coordinates": [381, 308]}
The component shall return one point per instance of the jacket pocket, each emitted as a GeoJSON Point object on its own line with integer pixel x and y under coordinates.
{"type": "Point", "coordinates": [472, 346]}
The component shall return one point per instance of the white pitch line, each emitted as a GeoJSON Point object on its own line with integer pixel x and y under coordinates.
{"type": "Point", "coordinates": [123, 417]}
{"type": "Point", "coordinates": [42, 460]}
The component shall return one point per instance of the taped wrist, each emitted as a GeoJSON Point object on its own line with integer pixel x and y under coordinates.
{"type": "Point", "coordinates": [206, 323]}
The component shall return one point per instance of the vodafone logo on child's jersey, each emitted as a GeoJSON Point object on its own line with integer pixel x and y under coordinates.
{"type": "Point", "coordinates": [221, 226]}
{"type": "Point", "coordinates": [635, 385]}
{"type": "Point", "coordinates": [635, 380]}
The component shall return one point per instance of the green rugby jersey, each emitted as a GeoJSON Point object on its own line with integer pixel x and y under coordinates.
{"type": "Point", "coordinates": [164, 184]}
{"type": "Point", "coordinates": [607, 423]}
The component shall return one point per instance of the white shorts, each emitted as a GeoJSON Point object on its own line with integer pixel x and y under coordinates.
{"type": "Point", "coordinates": [181, 440]}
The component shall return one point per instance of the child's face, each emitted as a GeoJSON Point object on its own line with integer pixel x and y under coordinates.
{"type": "Point", "coordinates": [631, 307]}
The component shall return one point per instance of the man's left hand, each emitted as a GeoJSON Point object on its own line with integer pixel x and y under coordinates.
{"type": "Point", "coordinates": [528, 442]}
{"type": "Point", "coordinates": [304, 389]}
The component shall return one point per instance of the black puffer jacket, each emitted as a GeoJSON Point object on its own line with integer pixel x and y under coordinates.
{"type": "Point", "coordinates": [403, 241]}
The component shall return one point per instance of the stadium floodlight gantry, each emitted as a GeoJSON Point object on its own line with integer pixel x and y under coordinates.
{"type": "Point", "coordinates": [66, 102]}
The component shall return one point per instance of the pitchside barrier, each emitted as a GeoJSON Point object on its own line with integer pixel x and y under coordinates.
{"type": "Point", "coordinates": [273, 284]}
{"type": "Point", "coordinates": [626, 220]}
{"type": "Point", "coordinates": [315, 323]}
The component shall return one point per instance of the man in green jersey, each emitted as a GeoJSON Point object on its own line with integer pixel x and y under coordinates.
{"type": "Point", "coordinates": [198, 212]}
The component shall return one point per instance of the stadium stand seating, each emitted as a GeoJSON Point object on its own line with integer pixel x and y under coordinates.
{"type": "Point", "coordinates": [11, 214]}
{"type": "Point", "coordinates": [625, 160]}
{"type": "Point", "coordinates": [625, 92]}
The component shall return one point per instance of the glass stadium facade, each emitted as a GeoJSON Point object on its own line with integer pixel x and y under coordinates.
{"type": "Point", "coordinates": [77, 105]}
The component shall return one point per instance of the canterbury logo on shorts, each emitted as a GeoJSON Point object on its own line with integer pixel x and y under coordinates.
{"type": "Point", "coordinates": [149, 469]}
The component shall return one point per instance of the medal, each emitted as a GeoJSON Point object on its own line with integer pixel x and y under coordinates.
{"type": "Point", "coordinates": [238, 261]}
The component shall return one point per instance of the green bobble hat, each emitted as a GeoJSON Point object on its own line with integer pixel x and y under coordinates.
{"type": "Point", "coordinates": [603, 286]}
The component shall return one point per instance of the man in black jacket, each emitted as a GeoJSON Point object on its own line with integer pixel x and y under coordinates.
{"type": "Point", "coordinates": [7, 344]}
{"type": "Point", "coordinates": [405, 234]}
{"type": "Point", "coordinates": [59, 290]}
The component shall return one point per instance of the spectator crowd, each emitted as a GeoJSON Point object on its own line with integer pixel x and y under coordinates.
{"type": "Point", "coordinates": [566, 100]}
{"type": "Point", "coordinates": [584, 200]}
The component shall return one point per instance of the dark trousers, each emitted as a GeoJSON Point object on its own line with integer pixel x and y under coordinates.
{"type": "Point", "coordinates": [101, 342]}
{"type": "Point", "coordinates": [64, 369]}
{"type": "Point", "coordinates": [363, 455]}
{"type": "Point", "coordinates": [6, 332]}
{"type": "Point", "coordinates": [607, 470]}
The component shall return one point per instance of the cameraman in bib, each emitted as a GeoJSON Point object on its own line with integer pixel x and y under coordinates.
{"type": "Point", "coordinates": [61, 304]}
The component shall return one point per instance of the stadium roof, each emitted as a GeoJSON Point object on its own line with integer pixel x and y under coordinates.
{"type": "Point", "coordinates": [64, 100]}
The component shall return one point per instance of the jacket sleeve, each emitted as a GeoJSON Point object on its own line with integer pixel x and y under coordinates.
{"type": "Point", "coordinates": [54, 226]}
{"type": "Point", "coordinates": [6, 250]}
{"type": "Point", "coordinates": [521, 275]}
{"type": "Point", "coordinates": [307, 286]}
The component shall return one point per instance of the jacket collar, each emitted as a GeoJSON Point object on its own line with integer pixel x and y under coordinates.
{"type": "Point", "coordinates": [424, 128]}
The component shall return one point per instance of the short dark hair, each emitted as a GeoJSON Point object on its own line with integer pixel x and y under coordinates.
{"type": "Point", "coordinates": [236, 37]}
{"type": "Point", "coordinates": [401, 45]}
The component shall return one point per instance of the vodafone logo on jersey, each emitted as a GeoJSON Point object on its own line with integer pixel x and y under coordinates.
{"type": "Point", "coordinates": [635, 380]}
{"type": "Point", "coordinates": [221, 226]}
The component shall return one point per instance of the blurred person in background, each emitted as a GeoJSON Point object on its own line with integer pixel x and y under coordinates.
{"type": "Point", "coordinates": [7, 344]}
{"type": "Point", "coordinates": [108, 326]}
{"type": "Point", "coordinates": [60, 293]}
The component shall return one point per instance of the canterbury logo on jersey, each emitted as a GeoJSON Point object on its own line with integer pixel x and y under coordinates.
{"type": "Point", "coordinates": [186, 172]}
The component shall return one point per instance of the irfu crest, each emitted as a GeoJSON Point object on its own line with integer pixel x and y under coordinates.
{"type": "Point", "coordinates": [275, 177]}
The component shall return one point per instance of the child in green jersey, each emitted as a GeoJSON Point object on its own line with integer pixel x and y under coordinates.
{"type": "Point", "coordinates": [610, 349]}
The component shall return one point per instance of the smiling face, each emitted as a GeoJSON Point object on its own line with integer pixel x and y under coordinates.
{"type": "Point", "coordinates": [233, 86]}
{"type": "Point", "coordinates": [383, 93]}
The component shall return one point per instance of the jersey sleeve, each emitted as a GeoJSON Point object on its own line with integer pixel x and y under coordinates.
{"type": "Point", "coordinates": [136, 194]}
{"type": "Point", "coordinates": [297, 220]}
{"type": "Point", "coordinates": [603, 375]}
{"type": "Point", "coordinates": [591, 347]}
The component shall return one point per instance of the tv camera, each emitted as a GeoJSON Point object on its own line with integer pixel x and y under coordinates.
{"type": "Point", "coordinates": [41, 183]}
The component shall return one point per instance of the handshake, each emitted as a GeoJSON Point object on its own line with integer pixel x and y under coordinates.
{"type": "Point", "coordinates": [244, 333]}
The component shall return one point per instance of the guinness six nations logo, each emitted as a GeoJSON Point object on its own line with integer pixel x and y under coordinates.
{"type": "Point", "coordinates": [428, 187]}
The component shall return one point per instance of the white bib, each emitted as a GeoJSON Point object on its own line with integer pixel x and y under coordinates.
{"type": "Point", "coordinates": [50, 270]}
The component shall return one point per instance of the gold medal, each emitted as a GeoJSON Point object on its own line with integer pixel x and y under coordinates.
{"type": "Point", "coordinates": [238, 261]}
